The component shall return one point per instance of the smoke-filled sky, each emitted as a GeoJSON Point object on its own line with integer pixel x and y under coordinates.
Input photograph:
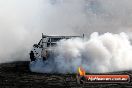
{"type": "Point", "coordinates": [23, 21]}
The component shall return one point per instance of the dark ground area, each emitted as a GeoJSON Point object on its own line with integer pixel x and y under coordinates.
{"type": "Point", "coordinates": [18, 75]}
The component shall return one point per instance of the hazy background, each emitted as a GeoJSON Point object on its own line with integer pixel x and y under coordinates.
{"type": "Point", "coordinates": [23, 21]}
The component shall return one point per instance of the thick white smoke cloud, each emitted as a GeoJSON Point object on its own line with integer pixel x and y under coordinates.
{"type": "Point", "coordinates": [100, 53]}
{"type": "Point", "coordinates": [23, 21]}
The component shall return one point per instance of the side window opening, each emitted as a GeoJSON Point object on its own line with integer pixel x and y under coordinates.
{"type": "Point", "coordinates": [48, 42]}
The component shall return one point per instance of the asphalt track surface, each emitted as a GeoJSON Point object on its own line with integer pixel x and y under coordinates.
{"type": "Point", "coordinates": [18, 75]}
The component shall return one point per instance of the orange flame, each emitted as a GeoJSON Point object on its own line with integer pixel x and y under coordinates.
{"type": "Point", "coordinates": [81, 71]}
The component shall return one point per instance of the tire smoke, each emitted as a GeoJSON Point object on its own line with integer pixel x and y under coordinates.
{"type": "Point", "coordinates": [99, 53]}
